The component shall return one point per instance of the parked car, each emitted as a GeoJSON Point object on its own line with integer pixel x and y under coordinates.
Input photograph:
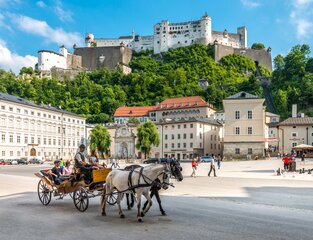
{"type": "Point", "coordinates": [22, 161]}
{"type": "Point", "coordinates": [14, 162]}
{"type": "Point", "coordinates": [2, 162]}
{"type": "Point", "coordinates": [151, 160]}
{"type": "Point", "coordinates": [36, 161]}
{"type": "Point", "coordinates": [206, 159]}
{"type": "Point", "coordinates": [8, 161]}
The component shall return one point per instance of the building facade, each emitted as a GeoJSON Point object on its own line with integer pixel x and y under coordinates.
{"type": "Point", "coordinates": [295, 131]}
{"type": "Point", "coordinates": [168, 35]}
{"type": "Point", "coordinates": [187, 138]}
{"type": "Point", "coordinates": [246, 132]}
{"type": "Point", "coordinates": [30, 130]}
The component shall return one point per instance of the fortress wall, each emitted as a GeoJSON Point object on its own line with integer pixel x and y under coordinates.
{"type": "Point", "coordinates": [263, 57]}
{"type": "Point", "coordinates": [112, 57]}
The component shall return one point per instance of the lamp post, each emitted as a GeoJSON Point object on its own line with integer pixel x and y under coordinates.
{"type": "Point", "coordinates": [101, 60]}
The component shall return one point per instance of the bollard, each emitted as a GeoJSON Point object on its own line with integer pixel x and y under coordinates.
{"type": "Point", "coordinates": [309, 171]}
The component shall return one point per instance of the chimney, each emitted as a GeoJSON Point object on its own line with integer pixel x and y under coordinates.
{"type": "Point", "coordinates": [294, 110]}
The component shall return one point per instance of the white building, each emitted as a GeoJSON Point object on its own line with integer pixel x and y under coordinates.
{"type": "Point", "coordinates": [31, 130]}
{"type": "Point", "coordinates": [187, 138]}
{"type": "Point", "coordinates": [48, 60]}
{"type": "Point", "coordinates": [168, 35]}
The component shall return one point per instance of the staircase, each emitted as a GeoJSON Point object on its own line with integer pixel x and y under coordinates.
{"type": "Point", "coordinates": [265, 82]}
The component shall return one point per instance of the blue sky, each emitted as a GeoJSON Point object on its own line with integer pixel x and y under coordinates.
{"type": "Point", "coordinates": [28, 26]}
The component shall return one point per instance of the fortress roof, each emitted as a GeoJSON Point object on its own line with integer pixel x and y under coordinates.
{"type": "Point", "coordinates": [243, 95]}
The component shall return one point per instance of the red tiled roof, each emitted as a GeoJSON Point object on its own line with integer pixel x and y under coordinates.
{"type": "Point", "coordinates": [133, 111]}
{"type": "Point", "coordinates": [183, 102]}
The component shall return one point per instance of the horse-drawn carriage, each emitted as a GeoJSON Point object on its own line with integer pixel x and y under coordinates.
{"type": "Point", "coordinates": [74, 186]}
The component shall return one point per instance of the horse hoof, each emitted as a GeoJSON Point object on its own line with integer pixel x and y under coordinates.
{"type": "Point", "coordinates": [139, 220]}
{"type": "Point", "coordinates": [129, 208]}
{"type": "Point", "coordinates": [103, 214]}
{"type": "Point", "coordinates": [164, 214]}
{"type": "Point", "coordinates": [122, 216]}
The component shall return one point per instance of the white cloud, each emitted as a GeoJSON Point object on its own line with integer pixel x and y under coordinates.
{"type": "Point", "coordinates": [14, 62]}
{"type": "Point", "coordinates": [301, 17]}
{"type": "Point", "coordinates": [41, 28]}
{"type": "Point", "coordinates": [250, 3]}
{"type": "Point", "coordinates": [63, 15]}
{"type": "Point", "coordinates": [41, 4]}
{"type": "Point", "coordinates": [8, 3]}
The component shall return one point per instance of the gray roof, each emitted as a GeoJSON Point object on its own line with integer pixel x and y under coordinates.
{"type": "Point", "coordinates": [297, 121]}
{"type": "Point", "coordinates": [14, 99]}
{"type": "Point", "coordinates": [243, 95]}
{"type": "Point", "coordinates": [191, 119]}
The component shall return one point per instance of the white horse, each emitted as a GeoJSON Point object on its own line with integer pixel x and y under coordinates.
{"type": "Point", "coordinates": [140, 181]}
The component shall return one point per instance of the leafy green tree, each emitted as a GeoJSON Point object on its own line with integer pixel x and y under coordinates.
{"type": "Point", "coordinates": [133, 120]}
{"type": "Point", "coordinates": [147, 135]}
{"type": "Point", "coordinates": [258, 46]}
{"type": "Point", "coordinates": [100, 139]}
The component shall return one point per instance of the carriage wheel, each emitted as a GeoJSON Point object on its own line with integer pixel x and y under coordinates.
{"type": "Point", "coordinates": [81, 200]}
{"type": "Point", "coordinates": [43, 193]}
{"type": "Point", "coordinates": [112, 198]}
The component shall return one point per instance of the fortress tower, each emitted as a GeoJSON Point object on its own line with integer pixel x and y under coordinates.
{"type": "Point", "coordinates": [206, 30]}
{"type": "Point", "coordinates": [89, 39]}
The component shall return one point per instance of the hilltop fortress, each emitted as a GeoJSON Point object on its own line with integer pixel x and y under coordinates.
{"type": "Point", "coordinates": [112, 52]}
{"type": "Point", "coordinates": [173, 35]}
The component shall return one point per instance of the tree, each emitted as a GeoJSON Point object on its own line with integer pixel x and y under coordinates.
{"type": "Point", "coordinates": [100, 139]}
{"type": "Point", "coordinates": [147, 135]}
{"type": "Point", "coordinates": [133, 120]}
{"type": "Point", "coordinates": [258, 46]}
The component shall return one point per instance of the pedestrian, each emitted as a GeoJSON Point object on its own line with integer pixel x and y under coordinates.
{"type": "Point", "coordinates": [194, 167]}
{"type": "Point", "coordinates": [114, 163]}
{"type": "Point", "coordinates": [219, 159]}
{"type": "Point", "coordinates": [286, 160]}
{"type": "Point", "coordinates": [303, 158]}
{"type": "Point", "coordinates": [212, 166]}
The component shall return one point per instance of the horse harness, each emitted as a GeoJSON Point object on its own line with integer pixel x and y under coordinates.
{"type": "Point", "coordinates": [132, 187]}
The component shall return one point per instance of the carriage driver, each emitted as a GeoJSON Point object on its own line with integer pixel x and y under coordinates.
{"type": "Point", "coordinates": [80, 163]}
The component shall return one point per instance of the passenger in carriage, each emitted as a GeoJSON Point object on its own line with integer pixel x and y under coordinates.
{"type": "Point", "coordinates": [67, 169]}
{"type": "Point", "coordinates": [80, 162]}
{"type": "Point", "coordinates": [56, 172]}
{"type": "Point", "coordinates": [94, 161]}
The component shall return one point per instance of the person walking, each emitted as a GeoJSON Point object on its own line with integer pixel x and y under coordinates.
{"type": "Point", "coordinates": [115, 163]}
{"type": "Point", "coordinates": [303, 158]}
{"type": "Point", "coordinates": [212, 166]}
{"type": "Point", "coordinates": [219, 159]}
{"type": "Point", "coordinates": [286, 160]}
{"type": "Point", "coordinates": [194, 167]}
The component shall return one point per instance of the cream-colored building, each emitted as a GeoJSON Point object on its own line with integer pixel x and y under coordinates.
{"type": "Point", "coordinates": [186, 138]}
{"type": "Point", "coordinates": [30, 130]}
{"type": "Point", "coordinates": [246, 131]}
{"type": "Point", "coordinates": [295, 131]}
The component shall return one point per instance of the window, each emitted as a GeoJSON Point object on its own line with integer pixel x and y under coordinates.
{"type": "Point", "coordinates": [173, 145]}
{"type": "Point", "coordinates": [45, 141]}
{"type": "Point", "coordinates": [191, 135]}
{"type": "Point", "coordinates": [249, 150]}
{"type": "Point", "coordinates": [173, 136]}
{"type": "Point", "coordinates": [11, 109]}
{"type": "Point", "coordinates": [165, 145]}
{"type": "Point", "coordinates": [38, 140]}
{"type": "Point", "coordinates": [249, 130]}
{"type": "Point", "coordinates": [294, 134]}
{"type": "Point", "coordinates": [294, 144]}
{"type": "Point", "coordinates": [11, 153]}
{"type": "Point", "coordinates": [237, 130]}
{"type": "Point", "coordinates": [237, 114]}
{"type": "Point", "coordinates": [178, 136]}
{"type": "Point", "coordinates": [3, 138]}
{"type": "Point", "coordinates": [3, 153]}
{"type": "Point", "coordinates": [25, 111]}
{"type": "Point", "coordinates": [211, 145]}
{"type": "Point", "coordinates": [200, 145]}
{"type": "Point", "coordinates": [200, 135]}
{"type": "Point", "coordinates": [211, 137]}
{"type": "Point", "coordinates": [18, 139]}
{"type": "Point", "coordinates": [191, 125]}
{"type": "Point", "coordinates": [38, 114]}
{"type": "Point", "coordinates": [55, 142]}
{"type": "Point", "coordinates": [173, 126]}
{"type": "Point", "coordinates": [165, 136]}
{"type": "Point", "coordinates": [200, 125]}
{"type": "Point", "coordinates": [249, 114]}
{"type": "Point", "coordinates": [237, 150]}
{"type": "Point", "coordinates": [191, 144]}
{"type": "Point", "coordinates": [32, 113]}
{"type": "Point", "coordinates": [2, 107]}
{"type": "Point", "coordinates": [185, 135]}
{"type": "Point", "coordinates": [178, 126]}
{"type": "Point", "coordinates": [26, 140]}
{"type": "Point", "coordinates": [11, 138]}
{"type": "Point", "coordinates": [178, 145]}
{"type": "Point", "coordinates": [185, 145]}
{"type": "Point", "coordinates": [185, 126]}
